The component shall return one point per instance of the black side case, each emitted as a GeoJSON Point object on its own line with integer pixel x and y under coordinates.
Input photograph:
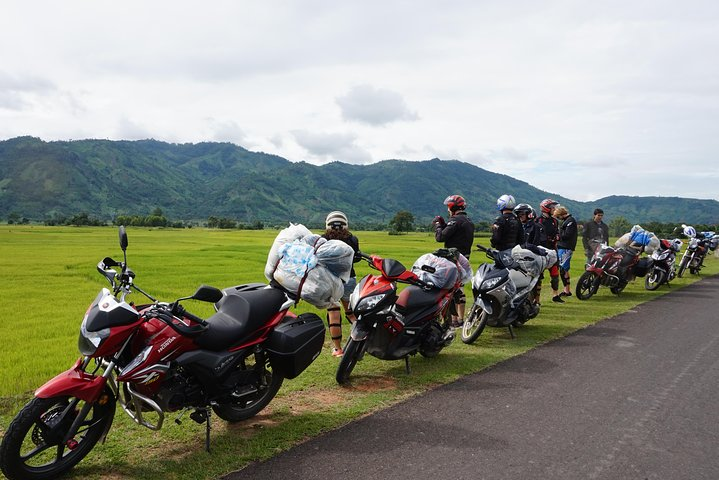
{"type": "Point", "coordinates": [295, 343]}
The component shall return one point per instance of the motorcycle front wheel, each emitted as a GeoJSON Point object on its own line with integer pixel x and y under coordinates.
{"type": "Point", "coordinates": [586, 285]}
{"type": "Point", "coordinates": [683, 266]}
{"type": "Point", "coordinates": [474, 325]}
{"type": "Point", "coordinates": [246, 402]}
{"type": "Point", "coordinates": [33, 446]}
{"type": "Point", "coordinates": [654, 279]}
{"type": "Point", "coordinates": [353, 351]}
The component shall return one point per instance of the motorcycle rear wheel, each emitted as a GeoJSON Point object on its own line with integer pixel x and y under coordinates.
{"type": "Point", "coordinates": [474, 325]}
{"type": "Point", "coordinates": [654, 279]}
{"type": "Point", "coordinates": [352, 353]}
{"type": "Point", "coordinates": [586, 286]}
{"type": "Point", "coordinates": [32, 447]}
{"type": "Point", "coordinates": [618, 289]}
{"type": "Point", "coordinates": [248, 406]}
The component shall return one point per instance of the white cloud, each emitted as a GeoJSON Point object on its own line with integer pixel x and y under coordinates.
{"type": "Point", "coordinates": [374, 106]}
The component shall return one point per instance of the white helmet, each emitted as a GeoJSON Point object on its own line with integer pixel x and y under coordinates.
{"type": "Point", "coordinates": [676, 244]}
{"type": "Point", "coordinates": [689, 231]}
{"type": "Point", "coordinates": [506, 202]}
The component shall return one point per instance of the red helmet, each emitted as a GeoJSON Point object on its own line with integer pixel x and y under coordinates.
{"type": "Point", "coordinates": [455, 202]}
{"type": "Point", "coordinates": [547, 205]}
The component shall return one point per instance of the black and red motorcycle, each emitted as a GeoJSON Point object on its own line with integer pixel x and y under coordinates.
{"type": "Point", "coordinates": [613, 268]}
{"type": "Point", "coordinates": [158, 358]}
{"type": "Point", "coordinates": [393, 326]}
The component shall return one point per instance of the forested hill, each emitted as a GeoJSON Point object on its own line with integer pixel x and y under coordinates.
{"type": "Point", "coordinates": [105, 178]}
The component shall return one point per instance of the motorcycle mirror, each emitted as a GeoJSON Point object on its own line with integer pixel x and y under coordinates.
{"type": "Point", "coordinates": [207, 294]}
{"type": "Point", "coordinates": [392, 268]}
{"type": "Point", "coordinates": [123, 238]}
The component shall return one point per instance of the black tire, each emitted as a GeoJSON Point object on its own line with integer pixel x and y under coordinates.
{"type": "Point", "coordinates": [618, 289]}
{"type": "Point", "coordinates": [474, 324]}
{"type": "Point", "coordinates": [683, 266]}
{"type": "Point", "coordinates": [586, 286]}
{"type": "Point", "coordinates": [654, 279]}
{"type": "Point", "coordinates": [247, 406]}
{"type": "Point", "coordinates": [32, 446]}
{"type": "Point", "coordinates": [352, 350]}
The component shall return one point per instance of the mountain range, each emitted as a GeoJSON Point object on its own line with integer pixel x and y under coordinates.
{"type": "Point", "coordinates": [104, 178]}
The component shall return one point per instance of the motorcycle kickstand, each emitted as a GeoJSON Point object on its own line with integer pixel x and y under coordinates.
{"type": "Point", "coordinates": [203, 416]}
{"type": "Point", "coordinates": [207, 431]}
{"type": "Point", "coordinates": [406, 365]}
{"type": "Point", "coordinates": [511, 331]}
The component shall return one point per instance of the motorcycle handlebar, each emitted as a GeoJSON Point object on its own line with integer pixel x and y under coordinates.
{"type": "Point", "coordinates": [168, 317]}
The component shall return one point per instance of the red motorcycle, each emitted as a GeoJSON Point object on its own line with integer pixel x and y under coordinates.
{"type": "Point", "coordinates": [158, 358]}
{"type": "Point", "coordinates": [392, 326]}
{"type": "Point", "coordinates": [610, 267]}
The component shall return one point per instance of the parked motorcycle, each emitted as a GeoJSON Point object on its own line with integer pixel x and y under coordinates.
{"type": "Point", "coordinates": [693, 256]}
{"type": "Point", "coordinates": [609, 267]}
{"type": "Point", "coordinates": [662, 264]}
{"type": "Point", "coordinates": [392, 325]}
{"type": "Point", "coordinates": [158, 358]}
{"type": "Point", "coordinates": [503, 290]}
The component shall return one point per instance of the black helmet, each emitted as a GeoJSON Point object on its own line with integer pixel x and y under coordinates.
{"type": "Point", "coordinates": [523, 208]}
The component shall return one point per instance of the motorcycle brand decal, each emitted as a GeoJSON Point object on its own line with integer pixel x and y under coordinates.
{"type": "Point", "coordinates": [166, 344]}
{"type": "Point", "coordinates": [224, 363]}
{"type": "Point", "coordinates": [151, 378]}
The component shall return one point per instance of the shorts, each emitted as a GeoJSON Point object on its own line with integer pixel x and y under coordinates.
{"type": "Point", "coordinates": [564, 258]}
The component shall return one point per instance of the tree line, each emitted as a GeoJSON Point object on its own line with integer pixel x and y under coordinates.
{"type": "Point", "coordinates": [403, 222]}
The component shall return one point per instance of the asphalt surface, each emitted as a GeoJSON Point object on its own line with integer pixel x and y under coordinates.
{"type": "Point", "coordinates": [633, 397]}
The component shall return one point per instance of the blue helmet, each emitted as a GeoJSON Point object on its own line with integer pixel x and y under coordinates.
{"type": "Point", "coordinates": [506, 202]}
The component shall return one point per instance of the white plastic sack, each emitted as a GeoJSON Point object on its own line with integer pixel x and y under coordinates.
{"type": "Point", "coordinates": [337, 257]}
{"type": "Point", "coordinates": [465, 269]}
{"type": "Point", "coordinates": [438, 271]}
{"type": "Point", "coordinates": [531, 262]}
{"type": "Point", "coordinates": [287, 235]}
{"type": "Point", "coordinates": [322, 288]}
{"type": "Point", "coordinates": [298, 254]}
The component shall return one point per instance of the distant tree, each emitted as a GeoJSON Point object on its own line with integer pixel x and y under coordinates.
{"type": "Point", "coordinates": [403, 221]}
{"type": "Point", "coordinates": [13, 217]}
{"type": "Point", "coordinates": [619, 226]}
{"type": "Point", "coordinates": [157, 212]}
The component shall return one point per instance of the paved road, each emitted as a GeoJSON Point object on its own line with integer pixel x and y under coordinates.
{"type": "Point", "coordinates": [633, 397]}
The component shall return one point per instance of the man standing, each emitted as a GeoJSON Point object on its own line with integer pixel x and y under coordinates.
{"type": "Point", "coordinates": [566, 245]}
{"type": "Point", "coordinates": [596, 232]}
{"type": "Point", "coordinates": [550, 225]}
{"type": "Point", "coordinates": [507, 230]}
{"type": "Point", "coordinates": [458, 232]}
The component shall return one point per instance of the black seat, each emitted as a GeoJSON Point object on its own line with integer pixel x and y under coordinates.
{"type": "Point", "coordinates": [239, 316]}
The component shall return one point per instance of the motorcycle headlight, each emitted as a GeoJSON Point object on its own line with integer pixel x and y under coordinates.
{"type": "Point", "coordinates": [89, 342]}
{"type": "Point", "coordinates": [368, 303]}
{"type": "Point", "coordinates": [490, 283]}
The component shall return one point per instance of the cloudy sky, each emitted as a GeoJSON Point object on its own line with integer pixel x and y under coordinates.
{"type": "Point", "coordinates": [581, 98]}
